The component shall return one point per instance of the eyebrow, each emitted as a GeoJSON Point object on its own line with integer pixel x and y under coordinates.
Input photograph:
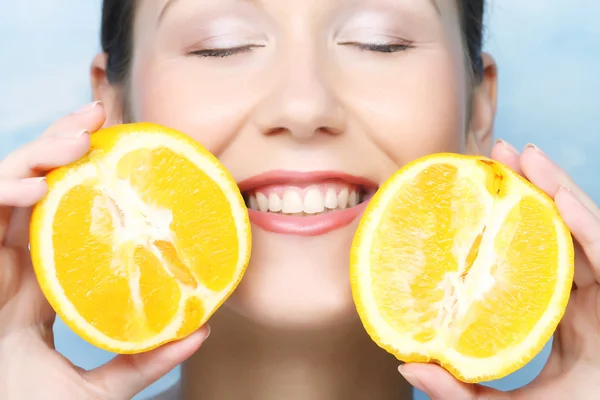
{"type": "Point", "coordinates": [164, 10]}
{"type": "Point", "coordinates": [436, 6]}
{"type": "Point", "coordinates": [170, 4]}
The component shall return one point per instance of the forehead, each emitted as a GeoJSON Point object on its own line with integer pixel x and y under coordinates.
{"type": "Point", "coordinates": [162, 7]}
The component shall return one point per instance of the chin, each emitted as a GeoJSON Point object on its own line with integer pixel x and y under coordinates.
{"type": "Point", "coordinates": [297, 282]}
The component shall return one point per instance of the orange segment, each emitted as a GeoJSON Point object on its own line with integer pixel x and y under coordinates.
{"type": "Point", "coordinates": [460, 261]}
{"type": "Point", "coordinates": [196, 314]}
{"type": "Point", "coordinates": [159, 304]}
{"type": "Point", "coordinates": [205, 231]}
{"type": "Point", "coordinates": [85, 266]}
{"type": "Point", "coordinates": [518, 272]}
{"type": "Point", "coordinates": [140, 242]}
{"type": "Point", "coordinates": [174, 264]}
{"type": "Point", "coordinates": [416, 245]}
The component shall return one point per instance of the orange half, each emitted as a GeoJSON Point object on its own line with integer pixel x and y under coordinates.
{"type": "Point", "coordinates": [138, 243]}
{"type": "Point", "coordinates": [461, 262]}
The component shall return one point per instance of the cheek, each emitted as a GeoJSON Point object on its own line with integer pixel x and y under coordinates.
{"type": "Point", "coordinates": [209, 108]}
{"type": "Point", "coordinates": [415, 107]}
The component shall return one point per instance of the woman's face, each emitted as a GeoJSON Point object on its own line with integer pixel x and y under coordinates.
{"type": "Point", "coordinates": [320, 101]}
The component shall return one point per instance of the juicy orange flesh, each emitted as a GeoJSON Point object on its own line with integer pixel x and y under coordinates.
{"type": "Point", "coordinates": [85, 268]}
{"type": "Point", "coordinates": [526, 276]}
{"type": "Point", "coordinates": [159, 292]}
{"type": "Point", "coordinates": [202, 219]}
{"type": "Point", "coordinates": [132, 290]}
{"type": "Point", "coordinates": [414, 252]}
{"type": "Point", "coordinates": [194, 312]}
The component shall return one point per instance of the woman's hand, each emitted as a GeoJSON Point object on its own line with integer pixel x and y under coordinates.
{"type": "Point", "coordinates": [30, 367]}
{"type": "Point", "coordinates": [573, 369]}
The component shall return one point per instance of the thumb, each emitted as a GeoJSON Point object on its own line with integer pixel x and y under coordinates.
{"type": "Point", "coordinates": [128, 374]}
{"type": "Point", "coordinates": [439, 384]}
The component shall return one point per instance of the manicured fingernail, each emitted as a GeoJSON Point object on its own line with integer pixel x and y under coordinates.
{"type": "Point", "coordinates": [532, 146]}
{"type": "Point", "coordinates": [88, 107]}
{"type": "Point", "coordinates": [573, 196]}
{"type": "Point", "coordinates": [35, 180]}
{"type": "Point", "coordinates": [569, 194]}
{"type": "Point", "coordinates": [538, 150]}
{"type": "Point", "coordinates": [508, 146]}
{"type": "Point", "coordinates": [75, 134]}
{"type": "Point", "coordinates": [412, 379]}
{"type": "Point", "coordinates": [206, 332]}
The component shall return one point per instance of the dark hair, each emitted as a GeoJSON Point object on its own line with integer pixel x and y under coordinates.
{"type": "Point", "coordinates": [471, 15]}
{"type": "Point", "coordinates": [117, 35]}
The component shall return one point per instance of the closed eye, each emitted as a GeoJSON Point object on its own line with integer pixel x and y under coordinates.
{"type": "Point", "coordinates": [380, 48]}
{"type": "Point", "coordinates": [223, 52]}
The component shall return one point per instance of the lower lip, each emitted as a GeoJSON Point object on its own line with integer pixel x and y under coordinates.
{"type": "Point", "coordinates": [306, 225]}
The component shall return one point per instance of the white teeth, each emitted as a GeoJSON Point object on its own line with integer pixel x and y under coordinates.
{"type": "Point", "coordinates": [274, 203]}
{"type": "Point", "coordinates": [316, 200]}
{"type": "Point", "coordinates": [331, 199]}
{"type": "Point", "coordinates": [292, 202]}
{"type": "Point", "coordinates": [263, 202]}
{"type": "Point", "coordinates": [343, 198]}
{"type": "Point", "coordinates": [313, 201]}
{"type": "Point", "coordinates": [253, 203]}
{"type": "Point", "coordinates": [353, 199]}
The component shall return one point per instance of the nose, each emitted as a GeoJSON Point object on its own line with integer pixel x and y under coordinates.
{"type": "Point", "coordinates": [301, 101]}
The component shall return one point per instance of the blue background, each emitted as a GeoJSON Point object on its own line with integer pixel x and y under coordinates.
{"type": "Point", "coordinates": [548, 53]}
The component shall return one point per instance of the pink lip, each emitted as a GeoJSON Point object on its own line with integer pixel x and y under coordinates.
{"type": "Point", "coordinates": [305, 225]}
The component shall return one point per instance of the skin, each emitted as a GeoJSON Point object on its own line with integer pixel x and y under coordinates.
{"type": "Point", "coordinates": [302, 101]}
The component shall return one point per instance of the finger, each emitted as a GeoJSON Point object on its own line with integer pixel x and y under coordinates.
{"type": "Point", "coordinates": [41, 154]}
{"type": "Point", "coordinates": [549, 177]}
{"type": "Point", "coordinates": [439, 384]}
{"type": "Point", "coordinates": [18, 193]}
{"type": "Point", "coordinates": [126, 375]}
{"type": "Point", "coordinates": [22, 192]}
{"type": "Point", "coordinates": [508, 155]}
{"type": "Point", "coordinates": [17, 233]}
{"type": "Point", "coordinates": [44, 154]}
{"type": "Point", "coordinates": [90, 117]}
{"type": "Point", "coordinates": [56, 145]}
{"type": "Point", "coordinates": [584, 274]}
{"type": "Point", "coordinates": [584, 226]}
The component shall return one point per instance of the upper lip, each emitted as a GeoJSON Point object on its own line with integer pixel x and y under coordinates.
{"type": "Point", "coordinates": [285, 177]}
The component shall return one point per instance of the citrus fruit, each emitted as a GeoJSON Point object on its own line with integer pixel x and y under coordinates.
{"type": "Point", "coordinates": [460, 261]}
{"type": "Point", "coordinates": [139, 242]}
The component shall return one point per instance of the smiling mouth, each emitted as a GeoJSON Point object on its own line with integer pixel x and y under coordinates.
{"type": "Point", "coordinates": [308, 199]}
{"type": "Point", "coordinates": [306, 203]}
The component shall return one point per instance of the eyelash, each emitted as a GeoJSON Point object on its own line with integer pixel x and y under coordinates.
{"type": "Point", "coordinates": [222, 52]}
{"type": "Point", "coordinates": [378, 48]}
{"type": "Point", "coordinates": [383, 48]}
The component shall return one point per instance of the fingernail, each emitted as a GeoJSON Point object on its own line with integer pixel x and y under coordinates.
{"type": "Point", "coordinates": [508, 146]}
{"type": "Point", "coordinates": [74, 135]}
{"type": "Point", "coordinates": [88, 107]}
{"type": "Point", "coordinates": [532, 146]}
{"type": "Point", "coordinates": [207, 332]}
{"type": "Point", "coordinates": [36, 180]}
{"type": "Point", "coordinates": [412, 379]}
{"type": "Point", "coordinates": [574, 197]}
{"type": "Point", "coordinates": [83, 133]}
{"type": "Point", "coordinates": [538, 150]}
